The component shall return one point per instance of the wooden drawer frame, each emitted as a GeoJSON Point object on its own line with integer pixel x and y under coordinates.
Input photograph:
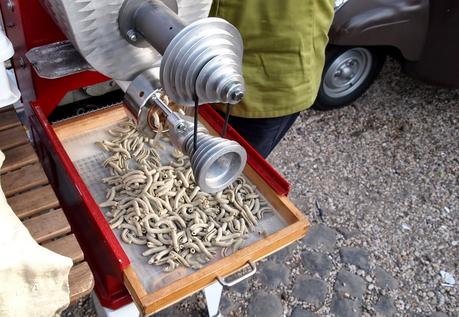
{"type": "Point", "coordinates": [149, 303]}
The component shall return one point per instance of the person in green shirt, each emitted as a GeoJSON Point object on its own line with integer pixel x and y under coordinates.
{"type": "Point", "coordinates": [284, 54]}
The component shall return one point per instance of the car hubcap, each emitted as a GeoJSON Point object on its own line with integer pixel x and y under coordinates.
{"type": "Point", "coordinates": [347, 72]}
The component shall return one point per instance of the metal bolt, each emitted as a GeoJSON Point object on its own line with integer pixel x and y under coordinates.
{"type": "Point", "coordinates": [10, 5]}
{"type": "Point", "coordinates": [180, 127]}
{"type": "Point", "coordinates": [21, 62]}
{"type": "Point", "coordinates": [237, 95]}
{"type": "Point", "coordinates": [131, 35]}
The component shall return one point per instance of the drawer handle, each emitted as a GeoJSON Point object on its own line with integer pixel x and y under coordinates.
{"type": "Point", "coordinates": [240, 279]}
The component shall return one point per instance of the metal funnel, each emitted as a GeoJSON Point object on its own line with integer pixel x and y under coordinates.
{"type": "Point", "coordinates": [216, 163]}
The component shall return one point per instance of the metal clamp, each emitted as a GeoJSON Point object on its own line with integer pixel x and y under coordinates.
{"type": "Point", "coordinates": [240, 279]}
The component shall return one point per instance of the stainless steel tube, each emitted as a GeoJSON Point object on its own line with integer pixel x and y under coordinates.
{"type": "Point", "coordinates": [216, 163]}
{"type": "Point", "coordinates": [138, 99]}
{"type": "Point", "coordinates": [149, 21]}
{"type": "Point", "coordinates": [158, 24]}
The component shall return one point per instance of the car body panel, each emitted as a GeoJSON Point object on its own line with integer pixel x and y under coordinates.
{"type": "Point", "coordinates": [423, 31]}
{"type": "Point", "coordinates": [397, 23]}
{"type": "Point", "coordinates": [439, 61]}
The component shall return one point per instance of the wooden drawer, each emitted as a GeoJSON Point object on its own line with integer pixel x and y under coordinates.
{"type": "Point", "coordinates": [153, 291]}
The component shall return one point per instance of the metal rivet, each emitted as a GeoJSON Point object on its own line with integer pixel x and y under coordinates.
{"type": "Point", "coordinates": [131, 35]}
{"type": "Point", "coordinates": [10, 5]}
{"type": "Point", "coordinates": [21, 62]}
{"type": "Point", "coordinates": [237, 96]}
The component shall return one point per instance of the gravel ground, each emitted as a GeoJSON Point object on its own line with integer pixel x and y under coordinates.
{"type": "Point", "coordinates": [379, 181]}
{"type": "Point", "coordinates": [385, 172]}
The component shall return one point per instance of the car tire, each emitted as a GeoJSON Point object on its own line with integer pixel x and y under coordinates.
{"type": "Point", "coordinates": [348, 73]}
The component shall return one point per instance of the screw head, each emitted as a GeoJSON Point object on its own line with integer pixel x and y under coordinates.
{"type": "Point", "coordinates": [10, 5]}
{"type": "Point", "coordinates": [181, 127]}
{"type": "Point", "coordinates": [131, 35]}
{"type": "Point", "coordinates": [22, 63]}
{"type": "Point", "coordinates": [237, 96]}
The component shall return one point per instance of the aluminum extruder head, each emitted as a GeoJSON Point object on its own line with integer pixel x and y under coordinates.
{"type": "Point", "coordinates": [199, 60]}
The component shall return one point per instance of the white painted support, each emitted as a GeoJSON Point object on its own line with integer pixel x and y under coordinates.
{"type": "Point", "coordinates": [130, 310]}
{"type": "Point", "coordinates": [213, 294]}
{"type": "Point", "coordinates": [9, 92]}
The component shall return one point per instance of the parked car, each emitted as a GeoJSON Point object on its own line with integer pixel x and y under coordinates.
{"type": "Point", "coordinates": [421, 34]}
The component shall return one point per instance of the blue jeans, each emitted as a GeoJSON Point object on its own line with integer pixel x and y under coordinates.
{"type": "Point", "coordinates": [263, 133]}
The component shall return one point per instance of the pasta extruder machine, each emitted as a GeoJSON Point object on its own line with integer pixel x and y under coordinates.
{"type": "Point", "coordinates": [150, 48]}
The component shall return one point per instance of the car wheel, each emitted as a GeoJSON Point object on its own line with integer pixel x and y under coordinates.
{"type": "Point", "coordinates": [348, 73]}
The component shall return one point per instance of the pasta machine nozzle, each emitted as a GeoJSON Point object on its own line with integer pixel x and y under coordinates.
{"type": "Point", "coordinates": [216, 162]}
{"type": "Point", "coordinates": [201, 63]}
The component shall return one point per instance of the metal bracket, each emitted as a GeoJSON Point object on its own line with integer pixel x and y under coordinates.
{"type": "Point", "coordinates": [213, 294]}
{"type": "Point", "coordinates": [57, 60]}
{"type": "Point", "coordinates": [126, 20]}
{"type": "Point", "coordinates": [240, 279]}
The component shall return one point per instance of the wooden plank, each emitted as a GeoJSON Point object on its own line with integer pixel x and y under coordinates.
{"type": "Point", "coordinates": [67, 246]}
{"type": "Point", "coordinates": [91, 121]}
{"type": "Point", "coordinates": [23, 179]}
{"type": "Point", "coordinates": [12, 137]}
{"type": "Point", "coordinates": [33, 201]}
{"type": "Point", "coordinates": [8, 119]}
{"type": "Point", "coordinates": [18, 157]}
{"type": "Point", "coordinates": [7, 108]}
{"type": "Point", "coordinates": [81, 281]}
{"type": "Point", "coordinates": [133, 284]}
{"type": "Point", "coordinates": [48, 226]}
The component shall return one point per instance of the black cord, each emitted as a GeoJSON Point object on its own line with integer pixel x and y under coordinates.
{"type": "Point", "coordinates": [196, 121]}
{"type": "Point", "coordinates": [227, 115]}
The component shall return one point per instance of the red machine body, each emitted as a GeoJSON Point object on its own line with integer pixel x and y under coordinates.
{"type": "Point", "coordinates": [28, 25]}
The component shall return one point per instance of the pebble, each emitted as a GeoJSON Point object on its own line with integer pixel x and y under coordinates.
{"type": "Point", "coordinates": [320, 237]}
{"type": "Point", "coordinates": [349, 283]}
{"type": "Point", "coordinates": [384, 279]}
{"type": "Point", "coordinates": [265, 305]}
{"type": "Point", "coordinates": [439, 314]}
{"type": "Point", "coordinates": [355, 256]}
{"type": "Point", "coordinates": [312, 291]}
{"type": "Point", "coordinates": [283, 254]}
{"type": "Point", "coordinates": [272, 274]}
{"type": "Point", "coordinates": [316, 262]}
{"type": "Point", "coordinates": [385, 306]}
{"type": "Point", "coordinates": [242, 286]}
{"type": "Point", "coordinates": [300, 312]}
{"type": "Point", "coordinates": [344, 307]}
{"type": "Point", "coordinates": [226, 306]}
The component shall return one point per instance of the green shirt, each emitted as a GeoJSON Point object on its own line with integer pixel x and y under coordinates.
{"type": "Point", "coordinates": [284, 52]}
